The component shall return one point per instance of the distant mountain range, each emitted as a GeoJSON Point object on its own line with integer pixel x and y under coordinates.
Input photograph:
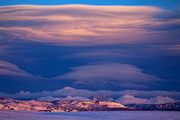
{"type": "Point", "coordinates": [167, 106]}
{"type": "Point", "coordinates": [79, 105]}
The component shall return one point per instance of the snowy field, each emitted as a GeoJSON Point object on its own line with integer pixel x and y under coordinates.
{"type": "Point", "coordinates": [121, 115]}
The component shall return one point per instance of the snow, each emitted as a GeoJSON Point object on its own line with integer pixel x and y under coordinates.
{"type": "Point", "coordinates": [119, 115]}
{"type": "Point", "coordinates": [129, 99]}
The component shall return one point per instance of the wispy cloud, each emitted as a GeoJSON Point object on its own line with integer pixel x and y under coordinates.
{"type": "Point", "coordinates": [9, 69]}
{"type": "Point", "coordinates": [87, 25]}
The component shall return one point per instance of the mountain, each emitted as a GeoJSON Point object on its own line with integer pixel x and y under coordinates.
{"type": "Point", "coordinates": [73, 105]}
{"type": "Point", "coordinates": [166, 106]}
{"type": "Point", "coordinates": [129, 99]}
{"type": "Point", "coordinates": [65, 105]}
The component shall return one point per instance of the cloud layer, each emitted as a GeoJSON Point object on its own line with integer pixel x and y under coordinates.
{"type": "Point", "coordinates": [123, 75]}
{"type": "Point", "coordinates": [9, 69]}
{"type": "Point", "coordinates": [89, 47]}
{"type": "Point", "coordinates": [88, 25]}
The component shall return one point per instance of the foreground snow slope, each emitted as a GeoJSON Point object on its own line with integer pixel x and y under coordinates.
{"type": "Point", "coordinates": [121, 115]}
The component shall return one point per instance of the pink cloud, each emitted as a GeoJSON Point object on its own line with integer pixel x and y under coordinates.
{"type": "Point", "coordinates": [86, 25]}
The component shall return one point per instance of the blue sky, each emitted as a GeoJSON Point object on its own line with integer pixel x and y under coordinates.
{"type": "Point", "coordinates": [161, 3]}
{"type": "Point", "coordinates": [131, 47]}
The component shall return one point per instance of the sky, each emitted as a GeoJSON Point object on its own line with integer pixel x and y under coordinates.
{"type": "Point", "coordinates": [121, 47]}
{"type": "Point", "coordinates": [161, 3]}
